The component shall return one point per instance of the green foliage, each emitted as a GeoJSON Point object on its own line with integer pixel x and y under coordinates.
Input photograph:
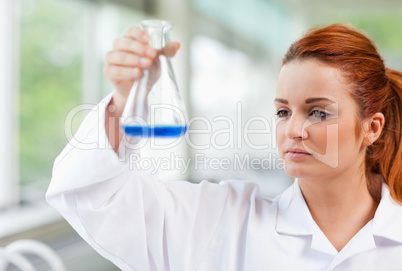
{"type": "Point", "coordinates": [385, 30]}
{"type": "Point", "coordinates": [383, 26]}
{"type": "Point", "coordinates": [50, 81]}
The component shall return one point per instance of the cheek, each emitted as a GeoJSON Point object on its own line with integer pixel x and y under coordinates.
{"type": "Point", "coordinates": [322, 137]}
{"type": "Point", "coordinates": [324, 144]}
{"type": "Point", "coordinates": [318, 138]}
{"type": "Point", "coordinates": [332, 141]}
{"type": "Point", "coordinates": [348, 137]}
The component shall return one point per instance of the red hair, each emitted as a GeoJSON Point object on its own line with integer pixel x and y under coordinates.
{"type": "Point", "coordinates": [374, 88]}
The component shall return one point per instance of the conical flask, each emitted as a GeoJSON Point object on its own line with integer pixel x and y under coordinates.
{"type": "Point", "coordinates": [154, 107]}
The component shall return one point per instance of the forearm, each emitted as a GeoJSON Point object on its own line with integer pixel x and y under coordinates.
{"type": "Point", "coordinates": [113, 114]}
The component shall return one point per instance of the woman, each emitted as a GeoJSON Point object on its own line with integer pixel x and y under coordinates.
{"type": "Point", "coordinates": [339, 133]}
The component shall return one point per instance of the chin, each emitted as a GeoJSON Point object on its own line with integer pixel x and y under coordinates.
{"type": "Point", "coordinates": [302, 171]}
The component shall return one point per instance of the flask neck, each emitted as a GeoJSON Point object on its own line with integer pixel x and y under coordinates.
{"type": "Point", "coordinates": [158, 31]}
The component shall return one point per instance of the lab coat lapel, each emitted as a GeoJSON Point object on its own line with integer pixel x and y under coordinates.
{"type": "Point", "coordinates": [321, 243]}
{"type": "Point", "coordinates": [387, 221]}
{"type": "Point", "coordinates": [361, 242]}
{"type": "Point", "coordinates": [294, 217]}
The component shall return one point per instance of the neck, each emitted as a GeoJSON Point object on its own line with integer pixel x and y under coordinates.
{"type": "Point", "coordinates": [340, 206]}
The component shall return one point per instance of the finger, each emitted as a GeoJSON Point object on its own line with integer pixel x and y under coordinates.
{"type": "Point", "coordinates": [137, 33]}
{"type": "Point", "coordinates": [117, 73]}
{"type": "Point", "coordinates": [129, 45]}
{"type": "Point", "coordinates": [121, 58]}
{"type": "Point", "coordinates": [133, 46]}
{"type": "Point", "coordinates": [171, 48]}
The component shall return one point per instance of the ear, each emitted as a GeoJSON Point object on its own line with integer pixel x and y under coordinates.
{"type": "Point", "coordinates": [372, 128]}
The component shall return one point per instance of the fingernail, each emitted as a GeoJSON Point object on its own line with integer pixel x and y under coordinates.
{"type": "Point", "coordinates": [150, 52]}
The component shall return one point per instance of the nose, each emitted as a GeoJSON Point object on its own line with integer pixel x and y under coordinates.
{"type": "Point", "coordinates": [295, 128]}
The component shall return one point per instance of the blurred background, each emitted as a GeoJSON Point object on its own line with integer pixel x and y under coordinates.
{"type": "Point", "coordinates": [51, 54]}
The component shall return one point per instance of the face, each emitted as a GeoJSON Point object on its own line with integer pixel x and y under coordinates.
{"type": "Point", "coordinates": [316, 121]}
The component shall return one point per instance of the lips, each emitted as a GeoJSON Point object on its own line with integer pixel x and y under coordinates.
{"type": "Point", "coordinates": [296, 152]}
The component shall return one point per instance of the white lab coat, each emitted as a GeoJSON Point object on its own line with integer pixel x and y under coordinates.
{"type": "Point", "coordinates": [141, 224]}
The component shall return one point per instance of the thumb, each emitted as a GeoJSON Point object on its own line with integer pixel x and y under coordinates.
{"type": "Point", "coordinates": [171, 48]}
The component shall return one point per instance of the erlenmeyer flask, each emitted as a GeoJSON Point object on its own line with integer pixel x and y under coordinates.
{"type": "Point", "coordinates": [154, 107]}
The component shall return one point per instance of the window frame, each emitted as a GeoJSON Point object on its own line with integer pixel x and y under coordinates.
{"type": "Point", "coordinates": [9, 105]}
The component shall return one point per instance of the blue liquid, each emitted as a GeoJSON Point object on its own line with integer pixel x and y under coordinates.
{"type": "Point", "coordinates": [157, 131]}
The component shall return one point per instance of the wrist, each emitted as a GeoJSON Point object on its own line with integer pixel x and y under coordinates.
{"type": "Point", "coordinates": [116, 105]}
{"type": "Point", "coordinates": [114, 111]}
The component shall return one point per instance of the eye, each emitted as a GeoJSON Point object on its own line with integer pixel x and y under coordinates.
{"type": "Point", "coordinates": [319, 114]}
{"type": "Point", "coordinates": [282, 113]}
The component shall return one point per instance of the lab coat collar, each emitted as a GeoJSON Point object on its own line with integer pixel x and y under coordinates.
{"type": "Point", "coordinates": [294, 217]}
{"type": "Point", "coordinates": [387, 221]}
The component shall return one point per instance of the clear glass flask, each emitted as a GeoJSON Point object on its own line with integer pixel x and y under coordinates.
{"type": "Point", "coordinates": [154, 107]}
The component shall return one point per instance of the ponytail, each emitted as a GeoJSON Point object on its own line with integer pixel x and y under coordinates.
{"type": "Point", "coordinates": [391, 161]}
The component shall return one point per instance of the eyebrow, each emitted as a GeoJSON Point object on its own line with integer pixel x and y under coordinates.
{"type": "Point", "coordinates": [308, 101]}
{"type": "Point", "coordinates": [281, 101]}
{"type": "Point", "coordinates": [318, 99]}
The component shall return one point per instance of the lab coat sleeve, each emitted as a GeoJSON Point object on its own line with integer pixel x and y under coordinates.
{"type": "Point", "coordinates": [127, 215]}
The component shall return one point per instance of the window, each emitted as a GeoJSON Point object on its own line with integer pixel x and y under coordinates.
{"type": "Point", "coordinates": [52, 61]}
{"type": "Point", "coordinates": [51, 49]}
